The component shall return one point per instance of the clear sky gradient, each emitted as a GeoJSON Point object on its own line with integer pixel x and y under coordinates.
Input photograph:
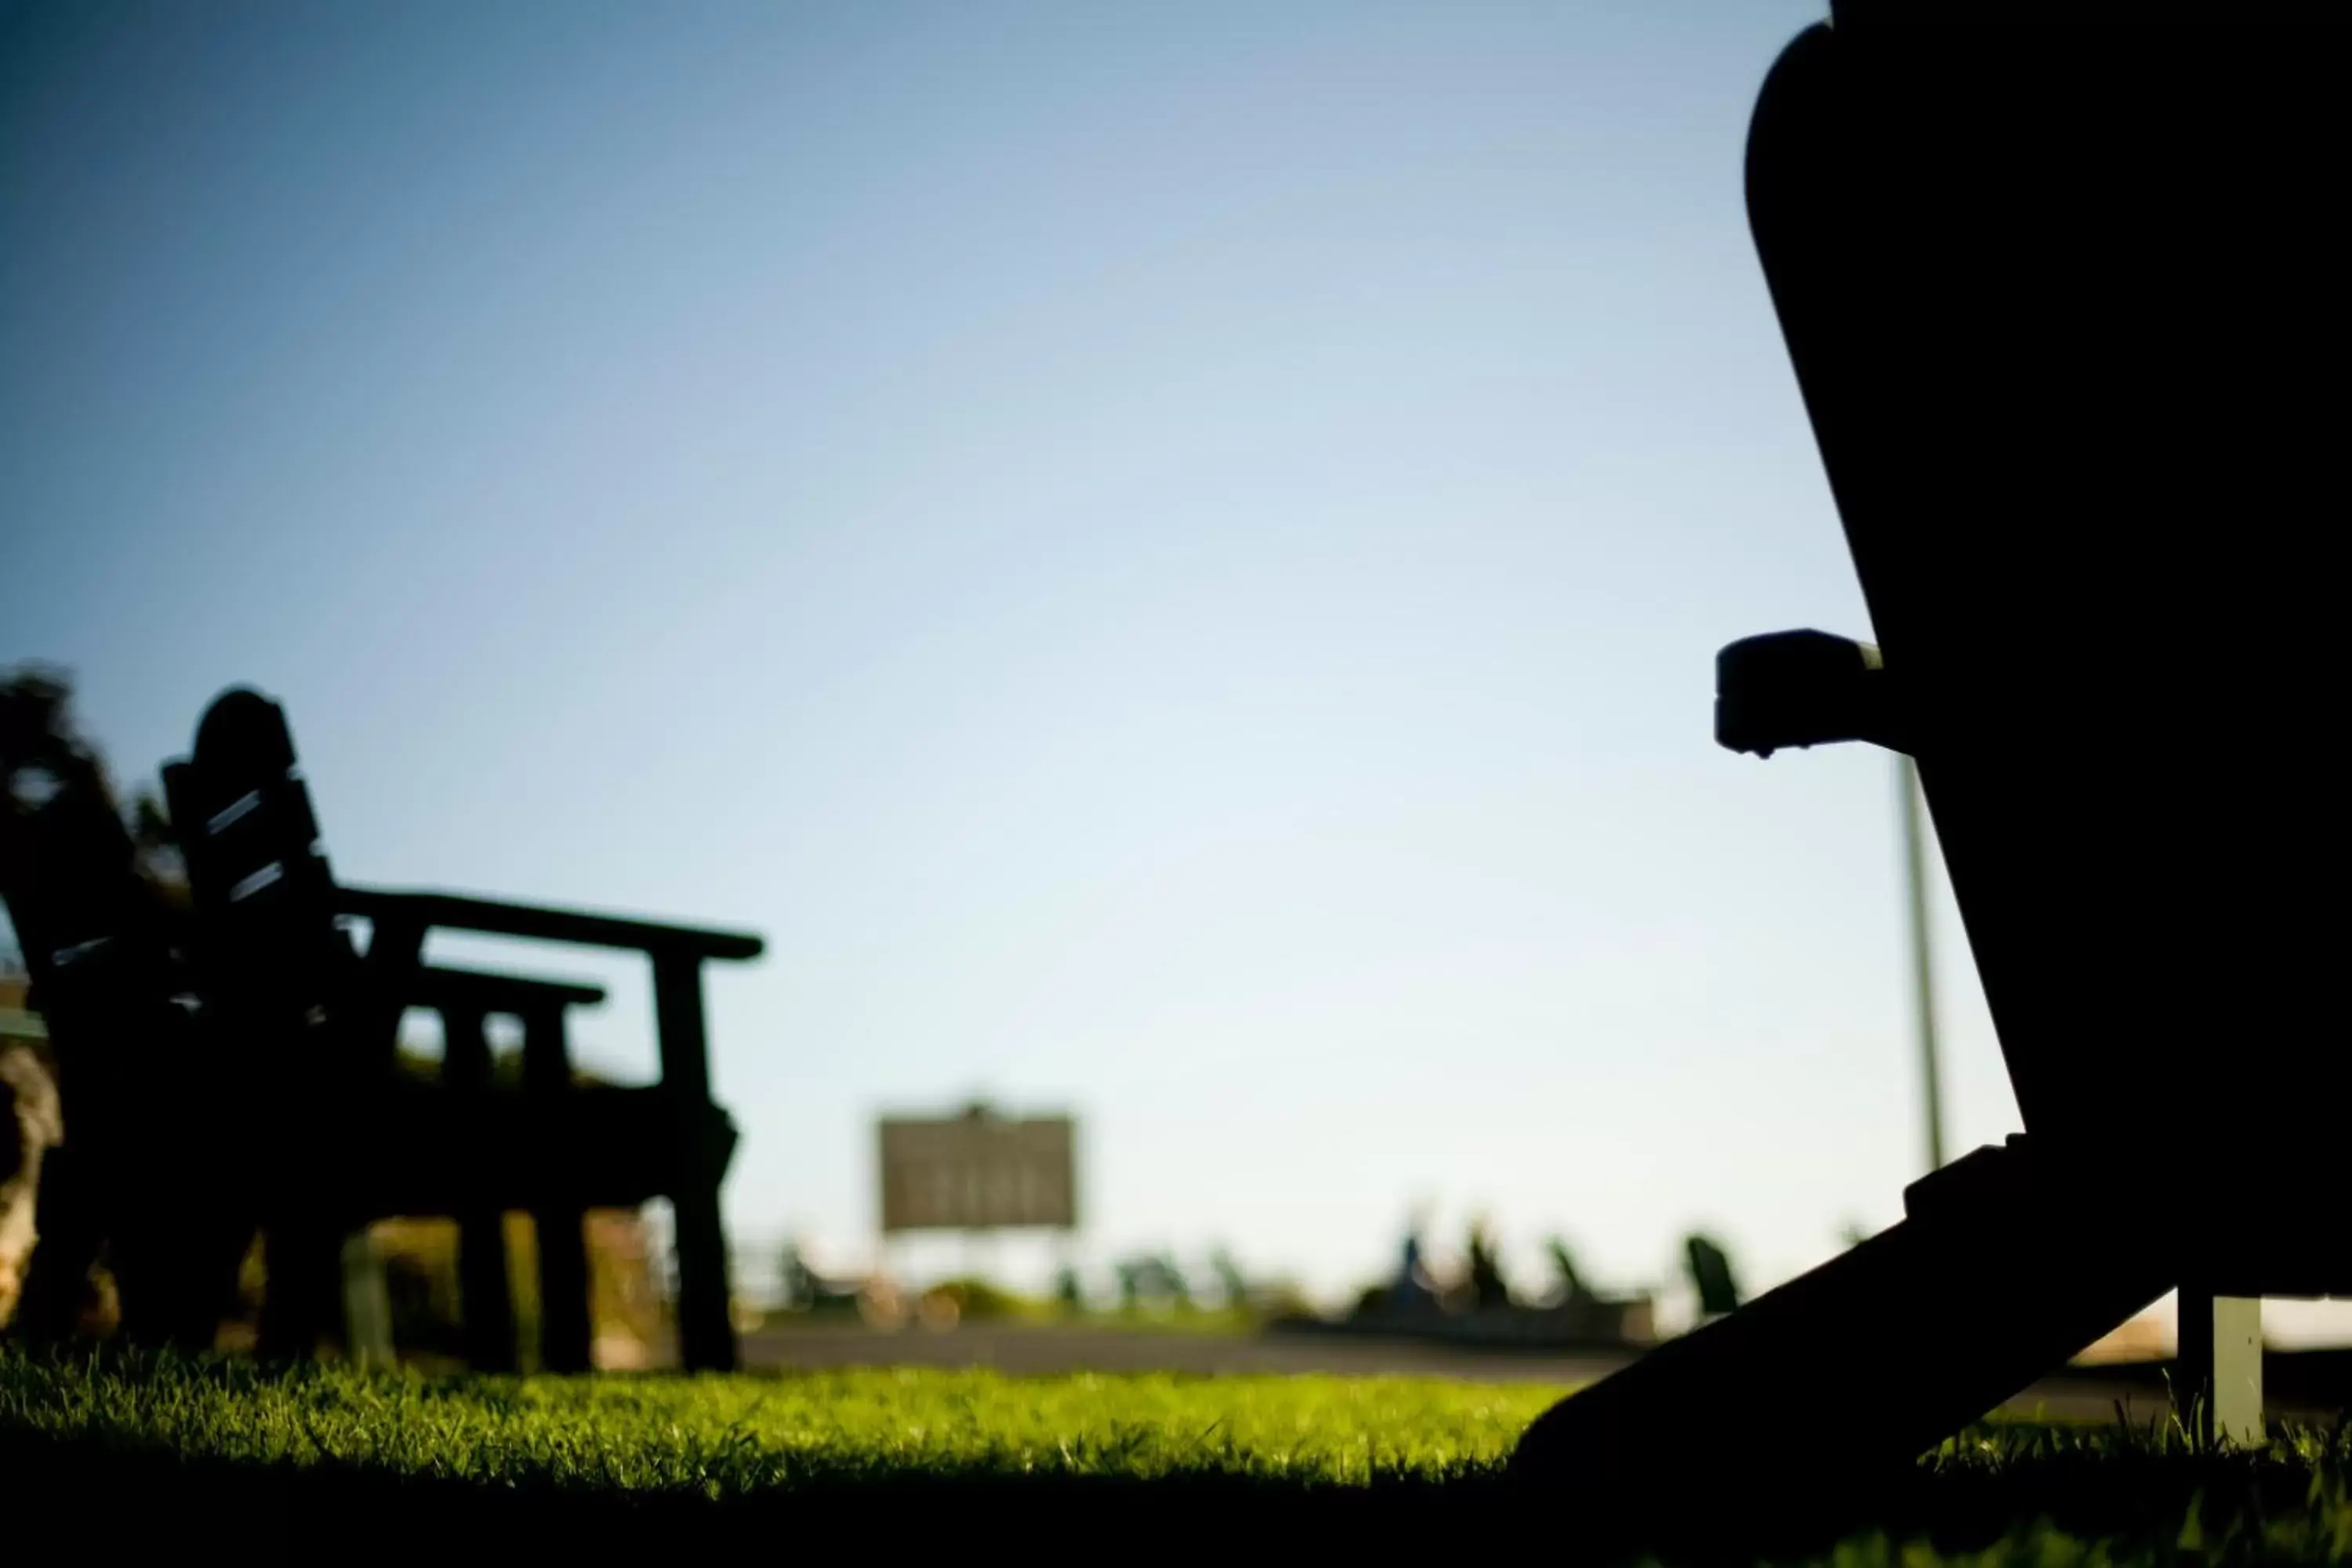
{"type": "Point", "coordinates": [1170, 558]}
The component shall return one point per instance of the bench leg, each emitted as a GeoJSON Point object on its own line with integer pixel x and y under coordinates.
{"type": "Point", "coordinates": [563, 1326]}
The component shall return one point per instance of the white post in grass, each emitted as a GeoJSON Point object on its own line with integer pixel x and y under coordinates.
{"type": "Point", "coordinates": [367, 1305]}
{"type": "Point", "coordinates": [2218, 1376]}
{"type": "Point", "coordinates": [1922, 974]}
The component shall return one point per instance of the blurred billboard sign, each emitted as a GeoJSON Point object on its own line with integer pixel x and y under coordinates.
{"type": "Point", "coordinates": [978, 1171]}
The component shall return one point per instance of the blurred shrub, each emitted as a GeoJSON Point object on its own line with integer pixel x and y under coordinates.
{"type": "Point", "coordinates": [972, 1300]}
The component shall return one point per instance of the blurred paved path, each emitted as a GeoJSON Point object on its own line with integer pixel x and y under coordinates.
{"type": "Point", "coordinates": [1033, 1351]}
{"type": "Point", "coordinates": [1062, 1350]}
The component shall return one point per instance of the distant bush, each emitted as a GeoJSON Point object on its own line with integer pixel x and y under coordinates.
{"type": "Point", "coordinates": [975, 1300]}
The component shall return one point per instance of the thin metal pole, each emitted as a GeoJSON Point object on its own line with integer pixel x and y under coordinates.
{"type": "Point", "coordinates": [1922, 974]}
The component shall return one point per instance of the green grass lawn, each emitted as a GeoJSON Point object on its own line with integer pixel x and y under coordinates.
{"type": "Point", "coordinates": [758, 1457]}
{"type": "Point", "coordinates": [745, 1437]}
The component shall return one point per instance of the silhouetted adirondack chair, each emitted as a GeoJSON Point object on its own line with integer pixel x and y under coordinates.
{"type": "Point", "coordinates": [2068, 307]}
{"type": "Point", "coordinates": [342, 1138]}
{"type": "Point", "coordinates": [136, 1077]}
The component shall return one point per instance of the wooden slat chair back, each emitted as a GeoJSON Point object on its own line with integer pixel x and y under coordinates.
{"type": "Point", "coordinates": [275, 958]}
{"type": "Point", "coordinates": [313, 1027]}
{"type": "Point", "coordinates": [96, 943]}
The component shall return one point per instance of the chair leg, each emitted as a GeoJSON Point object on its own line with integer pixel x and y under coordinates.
{"type": "Point", "coordinates": [177, 1277]}
{"type": "Point", "coordinates": [563, 1326]}
{"type": "Point", "coordinates": [303, 1302]}
{"type": "Point", "coordinates": [561, 1228]}
{"type": "Point", "coordinates": [486, 1299]}
{"type": "Point", "coordinates": [67, 1215]}
{"type": "Point", "coordinates": [1863, 1365]}
{"type": "Point", "coordinates": [706, 1328]}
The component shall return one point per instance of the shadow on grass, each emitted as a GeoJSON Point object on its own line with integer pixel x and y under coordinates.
{"type": "Point", "coordinates": [162, 1495]}
{"type": "Point", "coordinates": [184, 1453]}
{"type": "Point", "coordinates": [2067, 1498]}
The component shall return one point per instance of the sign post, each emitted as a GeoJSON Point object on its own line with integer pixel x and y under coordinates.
{"type": "Point", "coordinates": [1923, 974]}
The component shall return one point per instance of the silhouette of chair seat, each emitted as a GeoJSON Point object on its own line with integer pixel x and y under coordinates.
{"type": "Point", "coordinates": [419, 1148]}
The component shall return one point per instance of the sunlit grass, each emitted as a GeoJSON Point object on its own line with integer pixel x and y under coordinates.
{"type": "Point", "coordinates": [742, 1435]}
{"type": "Point", "coordinates": [1158, 1452]}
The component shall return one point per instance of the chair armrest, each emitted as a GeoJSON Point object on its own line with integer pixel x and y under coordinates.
{"type": "Point", "coordinates": [459, 912]}
{"type": "Point", "coordinates": [1805, 689]}
{"type": "Point", "coordinates": [676, 952]}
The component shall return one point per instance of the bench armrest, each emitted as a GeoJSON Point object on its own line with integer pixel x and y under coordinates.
{"type": "Point", "coordinates": [459, 912]}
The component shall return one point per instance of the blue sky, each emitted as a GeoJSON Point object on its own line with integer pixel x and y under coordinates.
{"type": "Point", "coordinates": [1169, 558]}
